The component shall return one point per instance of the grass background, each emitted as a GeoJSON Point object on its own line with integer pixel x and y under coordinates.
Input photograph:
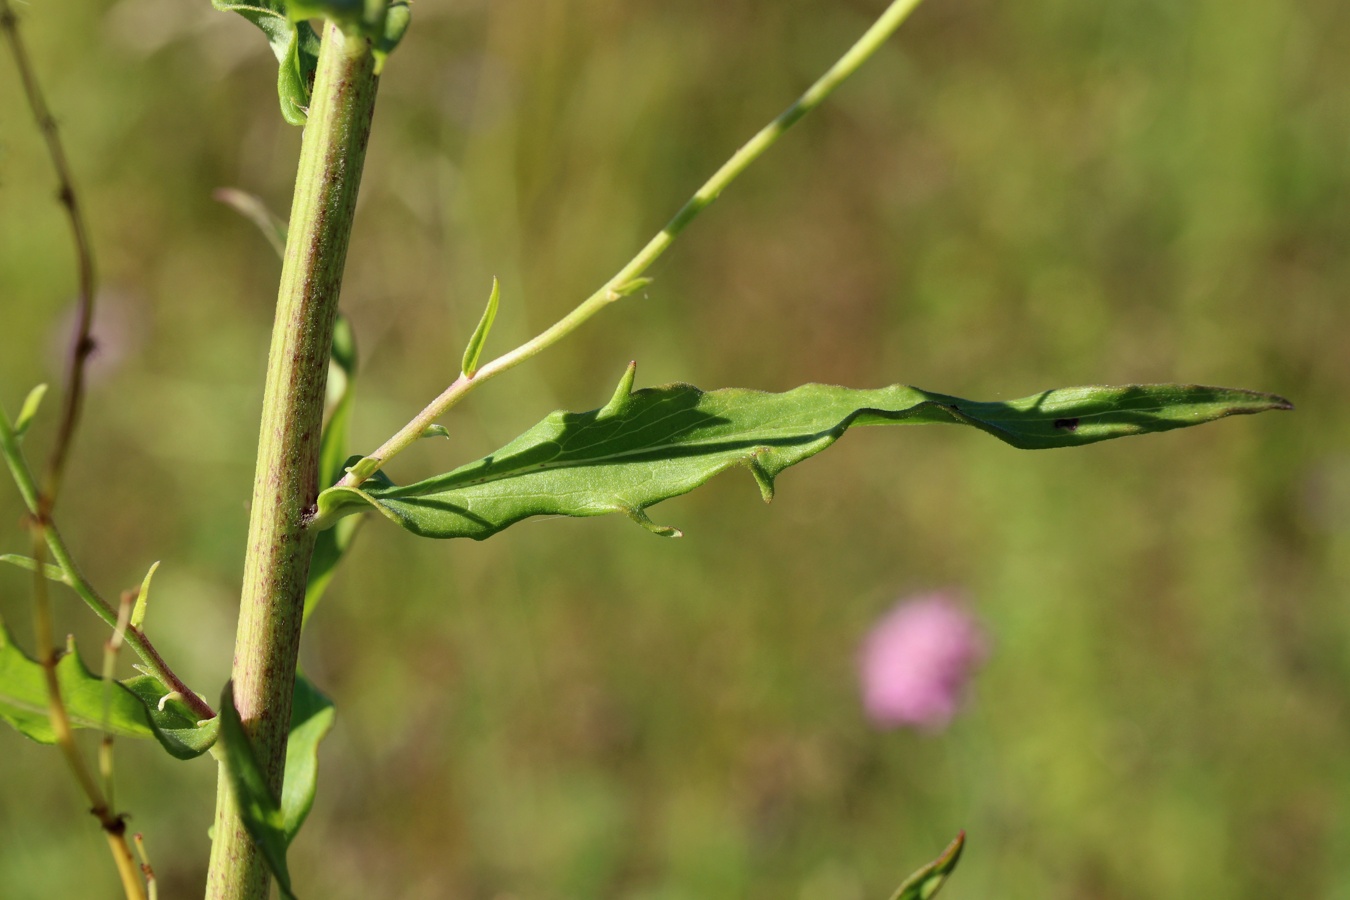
{"type": "Point", "coordinates": [1009, 197]}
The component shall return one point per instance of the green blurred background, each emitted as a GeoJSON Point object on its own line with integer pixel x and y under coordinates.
{"type": "Point", "coordinates": [1009, 197]}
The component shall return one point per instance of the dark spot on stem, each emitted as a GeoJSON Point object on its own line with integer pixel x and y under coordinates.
{"type": "Point", "coordinates": [1067, 424]}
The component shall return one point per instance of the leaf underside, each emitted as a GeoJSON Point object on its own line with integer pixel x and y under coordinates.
{"type": "Point", "coordinates": [653, 444]}
{"type": "Point", "coordinates": [271, 823]}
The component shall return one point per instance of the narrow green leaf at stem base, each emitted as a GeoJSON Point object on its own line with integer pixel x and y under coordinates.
{"type": "Point", "coordinates": [480, 334]}
{"type": "Point", "coordinates": [257, 805]}
{"type": "Point", "coordinates": [925, 883]}
{"type": "Point", "coordinates": [650, 445]}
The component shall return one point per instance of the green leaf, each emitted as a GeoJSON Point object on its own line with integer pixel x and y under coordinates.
{"type": "Point", "coordinates": [396, 24]}
{"type": "Point", "coordinates": [926, 882]}
{"type": "Point", "coordinates": [143, 597]}
{"type": "Point", "coordinates": [311, 719]}
{"type": "Point", "coordinates": [294, 44]}
{"type": "Point", "coordinates": [29, 564]}
{"type": "Point", "coordinates": [382, 22]}
{"type": "Point", "coordinates": [435, 431]}
{"type": "Point", "coordinates": [331, 545]}
{"type": "Point", "coordinates": [475, 348]}
{"type": "Point", "coordinates": [251, 207]}
{"type": "Point", "coordinates": [179, 730]}
{"type": "Point", "coordinates": [257, 805]}
{"type": "Point", "coordinates": [647, 446]}
{"type": "Point", "coordinates": [29, 410]}
{"type": "Point", "coordinates": [341, 395]}
{"type": "Point", "coordinates": [23, 696]}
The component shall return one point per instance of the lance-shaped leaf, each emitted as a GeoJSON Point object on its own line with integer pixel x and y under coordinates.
{"type": "Point", "coordinates": [926, 882]}
{"type": "Point", "coordinates": [475, 347]}
{"type": "Point", "coordinates": [311, 719]}
{"type": "Point", "coordinates": [29, 410]}
{"type": "Point", "coordinates": [53, 573]}
{"type": "Point", "coordinates": [646, 446]}
{"type": "Point", "coordinates": [257, 805]}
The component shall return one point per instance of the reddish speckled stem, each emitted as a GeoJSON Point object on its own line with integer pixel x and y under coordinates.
{"type": "Point", "coordinates": [286, 481]}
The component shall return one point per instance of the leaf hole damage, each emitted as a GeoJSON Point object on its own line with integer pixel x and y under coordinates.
{"type": "Point", "coordinates": [1069, 425]}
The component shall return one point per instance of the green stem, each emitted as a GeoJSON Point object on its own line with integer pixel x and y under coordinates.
{"type": "Point", "coordinates": [71, 575]}
{"type": "Point", "coordinates": [614, 288]}
{"type": "Point", "coordinates": [286, 480]}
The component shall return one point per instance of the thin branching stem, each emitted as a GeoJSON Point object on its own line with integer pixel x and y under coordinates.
{"type": "Point", "coordinates": [42, 502]}
{"type": "Point", "coordinates": [622, 283]}
{"type": "Point", "coordinates": [71, 575]}
{"type": "Point", "coordinates": [84, 255]}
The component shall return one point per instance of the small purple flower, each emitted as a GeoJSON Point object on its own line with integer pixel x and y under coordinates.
{"type": "Point", "coordinates": [916, 661]}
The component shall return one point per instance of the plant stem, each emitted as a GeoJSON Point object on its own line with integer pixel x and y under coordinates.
{"type": "Point", "coordinates": [286, 480]}
{"type": "Point", "coordinates": [84, 255]}
{"type": "Point", "coordinates": [615, 287]}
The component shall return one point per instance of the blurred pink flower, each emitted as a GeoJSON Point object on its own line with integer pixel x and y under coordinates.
{"type": "Point", "coordinates": [916, 661]}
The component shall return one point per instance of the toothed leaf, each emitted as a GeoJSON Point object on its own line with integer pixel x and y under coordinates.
{"type": "Point", "coordinates": [653, 444]}
{"type": "Point", "coordinates": [926, 882]}
{"type": "Point", "coordinates": [131, 710]}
